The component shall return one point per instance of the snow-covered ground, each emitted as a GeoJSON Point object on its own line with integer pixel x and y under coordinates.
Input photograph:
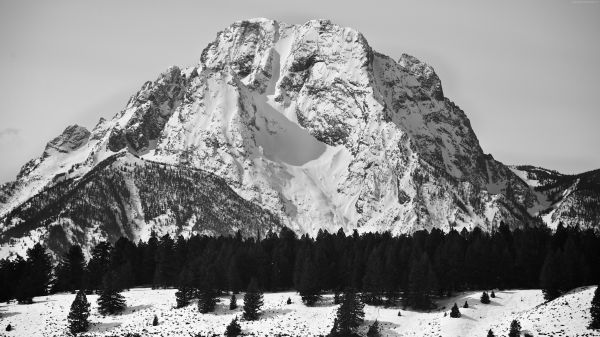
{"type": "Point", "coordinates": [566, 316]}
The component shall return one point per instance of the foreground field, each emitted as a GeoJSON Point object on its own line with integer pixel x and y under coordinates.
{"type": "Point", "coordinates": [566, 316]}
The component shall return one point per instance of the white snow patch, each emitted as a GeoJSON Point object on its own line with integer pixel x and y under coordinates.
{"type": "Point", "coordinates": [565, 316]}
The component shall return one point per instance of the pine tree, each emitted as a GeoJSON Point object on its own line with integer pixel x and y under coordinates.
{"type": "Point", "coordinates": [455, 313]}
{"type": "Point", "coordinates": [233, 275]}
{"type": "Point", "coordinates": [79, 313]}
{"type": "Point", "coordinates": [40, 269]}
{"type": "Point", "coordinates": [207, 299]}
{"type": "Point", "coordinates": [110, 300]}
{"type": "Point", "coordinates": [165, 271]}
{"type": "Point", "coordinates": [25, 289]}
{"type": "Point", "coordinates": [466, 306]}
{"type": "Point", "coordinates": [550, 276]}
{"type": "Point", "coordinates": [373, 281]}
{"type": "Point", "coordinates": [37, 275]}
{"type": "Point", "coordinates": [373, 330]}
{"type": "Point", "coordinates": [125, 277]}
{"type": "Point", "coordinates": [233, 329]}
{"type": "Point", "coordinates": [149, 259]}
{"type": "Point", "coordinates": [334, 329]}
{"type": "Point", "coordinates": [253, 301]}
{"type": "Point", "coordinates": [155, 321]}
{"type": "Point", "coordinates": [422, 282]}
{"type": "Point", "coordinates": [490, 333]}
{"type": "Point", "coordinates": [308, 285]}
{"type": "Point", "coordinates": [337, 297]}
{"type": "Point", "coordinates": [182, 296]}
{"type": "Point", "coordinates": [485, 298]}
{"type": "Point", "coordinates": [289, 301]}
{"type": "Point", "coordinates": [493, 295]}
{"type": "Point", "coordinates": [98, 265]}
{"type": "Point", "coordinates": [207, 294]}
{"type": "Point", "coordinates": [8, 328]}
{"type": "Point", "coordinates": [595, 310]}
{"type": "Point", "coordinates": [350, 314]}
{"type": "Point", "coordinates": [233, 302]}
{"type": "Point", "coordinates": [515, 329]}
{"type": "Point", "coordinates": [184, 292]}
{"type": "Point", "coordinates": [69, 273]}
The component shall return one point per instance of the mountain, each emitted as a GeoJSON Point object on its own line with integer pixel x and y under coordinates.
{"type": "Point", "coordinates": [573, 200]}
{"type": "Point", "coordinates": [306, 123]}
{"type": "Point", "coordinates": [125, 195]}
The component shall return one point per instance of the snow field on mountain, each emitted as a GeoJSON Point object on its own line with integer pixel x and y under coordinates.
{"type": "Point", "coordinates": [565, 316]}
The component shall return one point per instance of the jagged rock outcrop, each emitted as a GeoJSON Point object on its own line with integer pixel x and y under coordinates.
{"type": "Point", "coordinates": [311, 124]}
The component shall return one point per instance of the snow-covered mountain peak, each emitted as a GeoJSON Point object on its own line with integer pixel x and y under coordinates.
{"type": "Point", "coordinates": [311, 124]}
{"type": "Point", "coordinates": [272, 98]}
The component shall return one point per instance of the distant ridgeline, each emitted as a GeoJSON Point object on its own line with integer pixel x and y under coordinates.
{"type": "Point", "coordinates": [383, 268]}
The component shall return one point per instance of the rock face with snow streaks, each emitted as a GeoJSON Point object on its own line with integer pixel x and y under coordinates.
{"type": "Point", "coordinates": [312, 125]}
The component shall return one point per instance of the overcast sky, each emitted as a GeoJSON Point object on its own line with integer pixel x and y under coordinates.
{"type": "Point", "coordinates": [526, 73]}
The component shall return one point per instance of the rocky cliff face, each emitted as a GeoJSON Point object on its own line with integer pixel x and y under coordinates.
{"type": "Point", "coordinates": [312, 125]}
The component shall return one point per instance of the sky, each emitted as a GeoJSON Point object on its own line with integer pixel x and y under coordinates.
{"type": "Point", "coordinates": [526, 72]}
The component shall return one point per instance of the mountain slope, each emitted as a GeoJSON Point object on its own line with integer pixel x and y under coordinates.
{"type": "Point", "coordinates": [573, 200]}
{"type": "Point", "coordinates": [308, 122]}
{"type": "Point", "coordinates": [128, 196]}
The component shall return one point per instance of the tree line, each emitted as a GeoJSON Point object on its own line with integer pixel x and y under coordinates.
{"type": "Point", "coordinates": [409, 270]}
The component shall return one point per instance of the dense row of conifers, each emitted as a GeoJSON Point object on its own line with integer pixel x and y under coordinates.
{"type": "Point", "coordinates": [385, 270]}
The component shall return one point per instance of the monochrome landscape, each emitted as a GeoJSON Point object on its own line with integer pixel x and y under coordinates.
{"type": "Point", "coordinates": [294, 182]}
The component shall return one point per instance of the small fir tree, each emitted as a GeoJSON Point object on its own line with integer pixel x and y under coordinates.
{"type": "Point", "coordinates": [207, 300]}
{"type": "Point", "coordinates": [79, 313]}
{"type": "Point", "coordinates": [466, 305]}
{"type": "Point", "coordinates": [233, 329]}
{"type": "Point", "coordinates": [9, 327]}
{"type": "Point", "coordinates": [207, 294]}
{"type": "Point", "coordinates": [337, 298]}
{"type": "Point", "coordinates": [515, 329]}
{"type": "Point", "coordinates": [36, 276]}
{"type": "Point", "coordinates": [490, 333]}
{"type": "Point", "coordinates": [253, 301]}
{"type": "Point", "coordinates": [350, 314]}
{"type": "Point", "coordinates": [110, 300]}
{"type": "Point", "coordinates": [422, 282]}
{"type": "Point", "coordinates": [155, 321]}
{"type": "Point", "coordinates": [308, 283]}
{"type": "Point", "coordinates": [551, 276]}
{"type": "Point", "coordinates": [493, 295]}
{"type": "Point", "coordinates": [455, 313]}
{"type": "Point", "coordinates": [185, 290]}
{"type": "Point", "coordinates": [39, 269]}
{"type": "Point", "coordinates": [373, 330]}
{"type": "Point", "coordinates": [485, 298]}
{"type": "Point", "coordinates": [69, 272]}
{"type": "Point", "coordinates": [182, 296]}
{"type": "Point", "coordinates": [233, 302]}
{"type": "Point", "coordinates": [595, 310]}
{"type": "Point", "coordinates": [289, 301]}
{"type": "Point", "coordinates": [334, 328]}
